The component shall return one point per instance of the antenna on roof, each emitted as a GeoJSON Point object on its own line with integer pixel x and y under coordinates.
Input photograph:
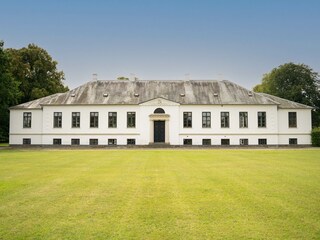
{"type": "Point", "coordinates": [94, 77]}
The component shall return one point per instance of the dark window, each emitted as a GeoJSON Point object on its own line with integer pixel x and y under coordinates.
{"type": "Point", "coordinates": [93, 141]}
{"type": "Point", "coordinates": [187, 119]}
{"type": "Point", "coordinates": [262, 141]}
{"type": "Point", "coordinates": [206, 119]}
{"type": "Point", "coordinates": [262, 119]}
{"type": "Point", "coordinates": [112, 121]}
{"type": "Point", "coordinates": [131, 141]}
{"type": "Point", "coordinates": [75, 141]}
{"type": "Point", "coordinates": [243, 119]}
{"type": "Point", "coordinates": [159, 110]}
{"type": "Point", "coordinates": [224, 119]}
{"type": "Point", "coordinates": [112, 141]}
{"type": "Point", "coordinates": [57, 141]}
{"type": "Point", "coordinates": [187, 141]}
{"type": "Point", "coordinates": [131, 119]}
{"type": "Point", "coordinates": [206, 141]}
{"type": "Point", "coordinates": [293, 141]}
{"type": "Point", "coordinates": [292, 119]}
{"type": "Point", "coordinates": [27, 119]}
{"type": "Point", "coordinates": [75, 119]}
{"type": "Point", "coordinates": [26, 141]}
{"type": "Point", "coordinates": [57, 119]}
{"type": "Point", "coordinates": [225, 141]}
{"type": "Point", "coordinates": [244, 141]}
{"type": "Point", "coordinates": [94, 119]}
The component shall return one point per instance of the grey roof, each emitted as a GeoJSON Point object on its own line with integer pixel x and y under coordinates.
{"type": "Point", "coordinates": [284, 103]}
{"type": "Point", "coordinates": [192, 92]}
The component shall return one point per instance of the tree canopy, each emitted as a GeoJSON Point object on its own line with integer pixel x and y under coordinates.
{"type": "Point", "coordinates": [295, 82]}
{"type": "Point", "coordinates": [25, 74]}
{"type": "Point", "coordinates": [36, 72]}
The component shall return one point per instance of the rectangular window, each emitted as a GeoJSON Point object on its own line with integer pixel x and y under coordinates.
{"type": "Point", "coordinates": [244, 141]}
{"type": "Point", "coordinates": [93, 141]}
{"type": "Point", "coordinates": [206, 119]}
{"type": "Point", "coordinates": [76, 119]}
{"type": "Point", "coordinates": [27, 120]}
{"type": "Point", "coordinates": [57, 119]}
{"type": "Point", "coordinates": [262, 141]}
{"type": "Point", "coordinates": [292, 119]}
{"type": "Point", "coordinates": [262, 119]}
{"type": "Point", "coordinates": [206, 141]}
{"type": "Point", "coordinates": [57, 141]}
{"type": "Point", "coordinates": [112, 121]}
{"type": "Point", "coordinates": [94, 119]}
{"type": "Point", "coordinates": [26, 141]}
{"type": "Point", "coordinates": [225, 141]}
{"type": "Point", "coordinates": [131, 141]}
{"type": "Point", "coordinates": [187, 141]}
{"type": "Point", "coordinates": [243, 119]}
{"type": "Point", "coordinates": [75, 141]}
{"type": "Point", "coordinates": [224, 119]}
{"type": "Point", "coordinates": [131, 119]}
{"type": "Point", "coordinates": [293, 141]}
{"type": "Point", "coordinates": [112, 141]}
{"type": "Point", "coordinates": [187, 119]}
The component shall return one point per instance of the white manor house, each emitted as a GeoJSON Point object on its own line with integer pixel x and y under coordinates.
{"type": "Point", "coordinates": [190, 112]}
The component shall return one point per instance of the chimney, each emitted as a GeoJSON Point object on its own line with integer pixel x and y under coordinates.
{"type": "Point", "coordinates": [187, 76]}
{"type": "Point", "coordinates": [94, 77]}
{"type": "Point", "coordinates": [132, 77]}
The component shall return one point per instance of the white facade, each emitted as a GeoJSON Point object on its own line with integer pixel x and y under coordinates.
{"type": "Point", "coordinates": [276, 132]}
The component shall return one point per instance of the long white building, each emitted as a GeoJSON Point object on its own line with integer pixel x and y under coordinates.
{"type": "Point", "coordinates": [190, 112]}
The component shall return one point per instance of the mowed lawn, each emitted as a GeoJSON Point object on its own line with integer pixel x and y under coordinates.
{"type": "Point", "coordinates": [160, 194]}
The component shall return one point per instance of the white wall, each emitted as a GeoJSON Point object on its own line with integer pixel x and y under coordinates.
{"type": "Point", "coordinates": [17, 132]}
{"type": "Point", "coordinates": [216, 133]}
{"type": "Point", "coordinates": [276, 132]}
{"type": "Point", "coordinates": [303, 129]}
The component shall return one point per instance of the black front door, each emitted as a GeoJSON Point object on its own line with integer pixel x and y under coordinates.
{"type": "Point", "coordinates": [159, 131]}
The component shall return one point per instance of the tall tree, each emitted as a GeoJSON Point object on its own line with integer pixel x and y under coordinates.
{"type": "Point", "coordinates": [9, 93]}
{"type": "Point", "coordinates": [295, 82]}
{"type": "Point", "coordinates": [36, 72]}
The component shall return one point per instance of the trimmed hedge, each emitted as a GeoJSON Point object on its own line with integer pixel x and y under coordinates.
{"type": "Point", "coordinates": [315, 137]}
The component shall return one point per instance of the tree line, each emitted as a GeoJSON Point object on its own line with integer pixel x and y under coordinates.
{"type": "Point", "coordinates": [25, 74]}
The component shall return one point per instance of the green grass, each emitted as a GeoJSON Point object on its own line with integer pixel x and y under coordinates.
{"type": "Point", "coordinates": [4, 144]}
{"type": "Point", "coordinates": [160, 194]}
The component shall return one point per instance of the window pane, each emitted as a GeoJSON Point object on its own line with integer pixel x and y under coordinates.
{"type": "Point", "coordinates": [243, 119]}
{"type": "Point", "coordinates": [187, 119]}
{"type": "Point", "coordinates": [206, 119]}
{"type": "Point", "coordinates": [262, 121]}
{"type": "Point", "coordinates": [224, 119]}
{"type": "Point", "coordinates": [131, 119]}
{"type": "Point", "coordinates": [292, 119]}
{"type": "Point", "coordinates": [112, 120]}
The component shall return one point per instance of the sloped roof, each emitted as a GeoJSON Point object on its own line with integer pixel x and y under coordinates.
{"type": "Point", "coordinates": [284, 103]}
{"type": "Point", "coordinates": [124, 92]}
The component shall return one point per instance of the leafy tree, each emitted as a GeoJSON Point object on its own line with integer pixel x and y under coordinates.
{"type": "Point", "coordinates": [295, 82]}
{"type": "Point", "coordinates": [9, 93]}
{"type": "Point", "coordinates": [36, 72]}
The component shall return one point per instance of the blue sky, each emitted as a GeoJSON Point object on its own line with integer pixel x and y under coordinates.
{"type": "Point", "coordinates": [166, 39]}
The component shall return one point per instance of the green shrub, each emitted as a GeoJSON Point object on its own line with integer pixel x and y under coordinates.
{"type": "Point", "coordinates": [315, 137]}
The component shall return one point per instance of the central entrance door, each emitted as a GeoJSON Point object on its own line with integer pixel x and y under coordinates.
{"type": "Point", "coordinates": [159, 131]}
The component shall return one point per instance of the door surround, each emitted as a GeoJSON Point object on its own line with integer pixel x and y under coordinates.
{"type": "Point", "coordinates": [159, 117]}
